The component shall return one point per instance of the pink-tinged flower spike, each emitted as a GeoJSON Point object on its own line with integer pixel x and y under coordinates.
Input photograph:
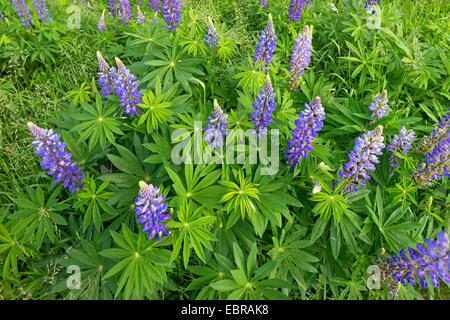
{"type": "Point", "coordinates": [152, 210]}
{"type": "Point", "coordinates": [363, 157]}
{"type": "Point", "coordinates": [300, 57]}
{"type": "Point", "coordinates": [101, 23]}
{"type": "Point", "coordinates": [140, 18]}
{"type": "Point", "coordinates": [265, 49]}
{"type": "Point", "coordinates": [55, 159]}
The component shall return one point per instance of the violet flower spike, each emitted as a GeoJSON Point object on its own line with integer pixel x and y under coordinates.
{"type": "Point", "coordinates": [101, 23]}
{"type": "Point", "coordinates": [212, 37]}
{"type": "Point", "coordinates": [379, 106]}
{"type": "Point", "coordinates": [23, 12]}
{"type": "Point", "coordinates": [363, 158]}
{"type": "Point", "coordinates": [265, 49]}
{"type": "Point", "coordinates": [263, 3]}
{"type": "Point", "coordinates": [41, 10]}
{"type": "Point", "coordinates": [156, 5]}
{"type": "Point", "coordinates": [296, 8]}
{"type": "Point", "coordinates": [171, 10]}
{"type": "Point", "coordinates": [264, 106]}
{"type": "Point", "coordinates": [125, 10]}
{"type": "Point", "coordinates": [402, 143]}
{"type": "Point", "coordinates": [300, 57]}
{"type": "Point", "coordinates": [140, 18]}
{"type": "Point", "coordinates": [55, 159]}
{"type": "Point", "coordinates": [308, 125]}
{"type": "Point", "coordinates": [152, 211]}
{"type": "Point", "coordinates": [217, 127]}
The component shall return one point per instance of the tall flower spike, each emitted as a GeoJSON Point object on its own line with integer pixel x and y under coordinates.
{"type": "Point", "coordinates": [126, 89]}
{"type": "Point", "coordinates": [55, 159]}
{"type": "Point", "coordinates": [41, 10]}
{"type": "Point", "coordinates": [264, 106]}
{"type": "Point", "coordinates": [307, 127]}
{"type": "Point", "coordinates": [266, 46]}
{"type": "Point", "coordinates": [101, 23]}
{"type": "Point", "coordinates": [436, 148]}
{"type": "Point", "coordinates": [363, 157]}
{"type": "Point", "coordinates": [156, 5]}
{"type": "Point", "coordinates": [296, 9]}
{"type": "Point", "coordinates": [171, 9]}
{"type": "Point", "coordinates": [212, 37]}
{"type": "Point", "coordinates": [140, 18]}
{"type": "Point", "coordinates": [432, 261]}
{"type": "Point", "coordinates": [300, 57]}
{"type": "Point", "coordinates": [152, 210]}
{"type": "Point", "coordinates": [379, 106]}
{"type": "Point", "coordinates": [401, 142]}
{"type": "Point", "coordinates": [113, 7]}
{"type": "Point", "coordinates": [23, 12]}
{"type": "Point", "coordinates": [107, 76]}
{"type": "Point", "coordinates": [217, 127]}
{"type": "Point", "coordinates": [125, 10]}
{"type": "Point", "coordinates": [263, 3]}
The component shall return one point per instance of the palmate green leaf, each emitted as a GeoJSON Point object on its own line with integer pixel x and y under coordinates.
{"type": "Point", "coordinates": [251, 76]}
{"type": "Point", "coordinates": [98, 124]}
{"type": "Point", "coordinates": [142, 266]}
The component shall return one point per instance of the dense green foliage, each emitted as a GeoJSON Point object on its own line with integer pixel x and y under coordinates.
{"type": "Point", "coordinates": [234, 232]}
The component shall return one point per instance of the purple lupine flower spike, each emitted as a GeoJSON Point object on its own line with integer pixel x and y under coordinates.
{"type": "Point", "coordinates": [41, 10]}
{"type": "Point", "coordinates": [212, 37]}
{"type": "Point", "coordinates": [107, 75]}
{"type": "Point", "coordinates": [296, 8]}
{"type": "Point", "coordinates": [263, 3]}
{"type": "Point", "coordinates": [307, 127]}
{"type": "Point", "coordinates": [266, 46]}
{"type": "Point", "coordinates": [125, 10]}
{"type": "Point", "coordinates": [432, 261]}
{"type": "Point", "coordinates": [126, 89]}
{"type": "Point", "coordinates": [156, 5]}
{"type": "Point", "coordinates": [2, 15]}
{"type": "Point", "coordinates": [113, 8]}
{"type": "Point", "coordinates": [379, 106]}
{"type": "Point", "coordinates": [370, 6]}
{"type": "Point", "coordinates": [171, 9]}
{"type": "Point", "coordinates": [300, 57]}
{"type": "Point", "coordinates": [23, 12]}
{"type": "Point", "coordinates": [55, 159]}
{"type": "Point", "coordinates": [363, 157]}
{"type": "Point", "coordinates": [436, 149]}
{"type": "Point", "coordinates": [401, 142]}
{"type": "Point", "coordinates": [101, 26]}
{"type": "Point", "coordinates": [152, 210]}
{"type": "Point", "coordinates": [217, 127]}
{"type": "Point", "coordinates": [140, 18]}
{"type": "Point", "coordinates": [264, 106]}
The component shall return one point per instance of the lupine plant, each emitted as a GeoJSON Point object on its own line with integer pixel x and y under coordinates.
{"type": "Point", "coordinates": [223, 150]}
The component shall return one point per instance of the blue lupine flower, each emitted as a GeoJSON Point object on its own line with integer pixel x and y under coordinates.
{"type": "Point", "coordinates": [152, 210]}
{"type": "Point", "coordinates": [55, 159]}
{"type": "Point", "coordinates": [379, 106]}
{"type": "Point", "coordinates": [140, 18]}
{"type": "Point", "coordinates": [266, 46]}
{"type": "Point", "coordinates": [156, 5]}
{"type": "Point", "coordinates": [363, 157]}
{"type": "Point", "coordinates": [263, 3]}
{"type": "Point", "coordinates": [126, 89]}
{"type": "Point", "coordinates": [436, 148]}
{"type": "Point", "coordinates": [307, 126]}
{"type": "Point", "coordinates": [107, 75]}
{"type": "Point", "coordinates": [171, 9]}
{"type": "Point", "coordinates": [125, 10]}
{"type": "Point", "coordinates": [101, 26]}
{"type": "Point", "coordinates": [217, 127]}
{"type": "Point", "coordinates": [41, 10]}
{"type": "Point", "coordinates": [23, 12]}
{"type": "Point", "coordinates": [264, 106]}
{"type": "Point", "coordinates": [401, 142]}
{"type": "Point", "coordinates": [212, 38]}
{"type": "Point", "coordinates": [113, 7]}
{"type": "Point", "coordinates": [300, 57]}
{"type": "Point", "coordinates": [296, 8]}
{"type": "Point", "coordinates": [2, 16]}
{"type": "Point", "coordinates": [370, 6]}
{"type": "Point", "coordinates": [432, 261]}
